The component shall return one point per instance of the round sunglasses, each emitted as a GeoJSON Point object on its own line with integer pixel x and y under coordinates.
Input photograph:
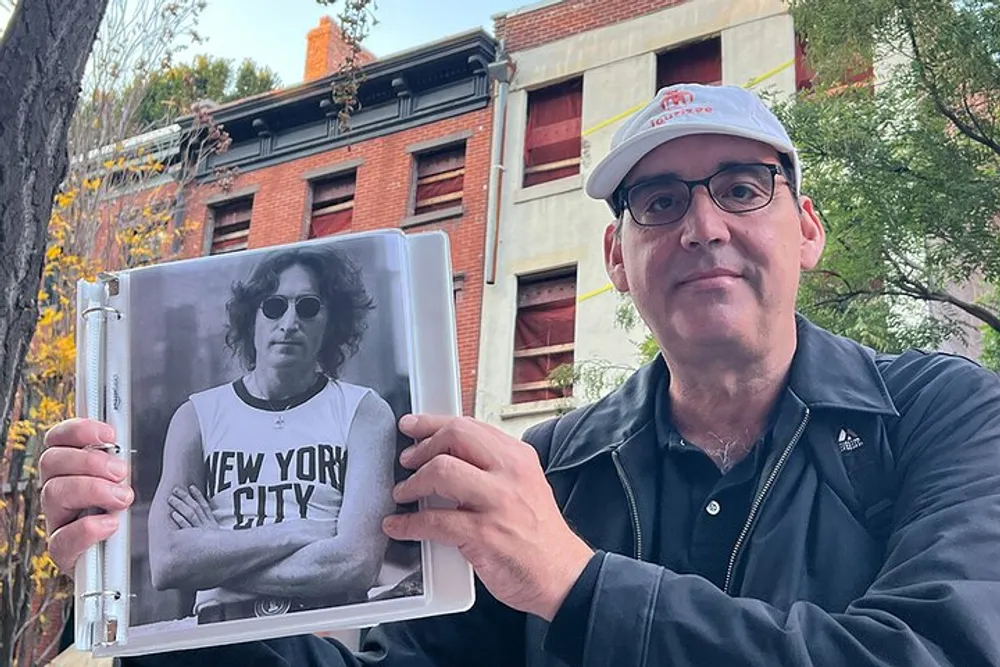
{"type": "Point", "coordinates": [306, 307]}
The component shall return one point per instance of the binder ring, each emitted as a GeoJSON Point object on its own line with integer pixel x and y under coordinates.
{"type": "Point", "coordinates": [94, 309]}
{"type": "Point", "coordinates": [96, 594]}
{"type": "Point", "coordinates": [110, 447]}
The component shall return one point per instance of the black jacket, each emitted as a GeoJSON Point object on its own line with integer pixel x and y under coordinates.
{"type": "Point", "coordinates": [809, 582]}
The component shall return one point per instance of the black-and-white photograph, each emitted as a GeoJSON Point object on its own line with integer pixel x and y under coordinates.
{"type": "Point", "coordinates": [266, 387]}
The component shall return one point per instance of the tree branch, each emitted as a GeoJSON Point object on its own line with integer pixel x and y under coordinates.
{"type": "Point", "coordinates": [935, 94]}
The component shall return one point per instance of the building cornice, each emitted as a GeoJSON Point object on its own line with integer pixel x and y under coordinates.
{"type": "Point", "coordinates": [423, 85]}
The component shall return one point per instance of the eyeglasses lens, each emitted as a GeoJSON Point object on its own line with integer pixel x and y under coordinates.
{"type": "Point", "coordinates": [306, 307]}
{"type": "Point", "coordinates": [736, 189]}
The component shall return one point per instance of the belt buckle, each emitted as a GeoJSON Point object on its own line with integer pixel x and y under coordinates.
{"type": "Point", "coordinates": [271, 606]}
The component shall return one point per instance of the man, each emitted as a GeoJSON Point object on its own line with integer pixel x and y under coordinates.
{"type": "Point", "coordinates": [274, 485]}
{"type": "Point", "coordinates": [763, 493]}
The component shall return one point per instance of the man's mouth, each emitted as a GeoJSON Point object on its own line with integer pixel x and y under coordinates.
{"type": "Point", "coordinates": [717, 276]}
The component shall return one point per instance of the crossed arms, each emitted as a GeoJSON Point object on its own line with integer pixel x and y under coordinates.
{"type": "Point", "coordinates": [301, 558]}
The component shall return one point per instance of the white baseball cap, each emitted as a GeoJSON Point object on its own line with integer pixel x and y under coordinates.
{"type": "Point", "coordinates": [681, 110]}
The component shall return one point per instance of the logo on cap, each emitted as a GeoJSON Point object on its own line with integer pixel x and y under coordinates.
{"type": "Point", "coordinates": [676, 98]}
{"type": "Point", "coordinates": [676, 103]}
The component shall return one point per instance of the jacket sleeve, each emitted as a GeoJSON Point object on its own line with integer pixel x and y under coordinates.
{"type": "Point", "coordinates": [934, 603]}
{"type": "Point", "coordinates": [487, 635]}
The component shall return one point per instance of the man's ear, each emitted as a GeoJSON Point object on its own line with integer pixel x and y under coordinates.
{"type": "Point", "coordinates": [613, 261]}
{"type": "Point", "coordinates": [813, 235]}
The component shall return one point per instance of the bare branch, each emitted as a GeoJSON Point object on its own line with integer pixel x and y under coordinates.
{"type": "Point", "coordinates": [356, 19]}
{"type": "Point", "coordinates": [935, 93]}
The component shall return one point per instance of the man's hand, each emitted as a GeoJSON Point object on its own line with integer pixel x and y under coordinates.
{"type": "Point", "coordinates": [190, 509]}
{"type": "Point", "coordinates": [507, 524]}
{"type": "Point", "coordinates": [78, 476]}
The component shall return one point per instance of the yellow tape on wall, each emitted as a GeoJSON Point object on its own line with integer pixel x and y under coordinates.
{"type": "Point", "coordinates": [628, 112]}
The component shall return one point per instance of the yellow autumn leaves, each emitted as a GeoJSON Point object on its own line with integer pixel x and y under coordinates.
{"type": "Point", "coordinates": [113, 216]}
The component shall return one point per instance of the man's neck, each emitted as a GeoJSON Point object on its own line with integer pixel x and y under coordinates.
{"type": "Point", "coordinates": [279, 384]}
{"type": "Point", "coordinates": [725, 410]}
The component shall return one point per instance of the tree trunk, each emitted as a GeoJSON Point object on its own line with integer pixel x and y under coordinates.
{"type": "Point", "coordinates": [43, 56]}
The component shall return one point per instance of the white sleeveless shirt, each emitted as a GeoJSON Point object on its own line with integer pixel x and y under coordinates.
{"type": "Point", "coordinates": [264, 466]}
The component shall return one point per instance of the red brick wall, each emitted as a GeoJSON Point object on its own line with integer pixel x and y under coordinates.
{"type": "Point", "coordinates": [382, 198]}
{"type": "Point", "coordinates": [569, 17]}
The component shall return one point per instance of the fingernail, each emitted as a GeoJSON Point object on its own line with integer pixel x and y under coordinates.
{"type": "Point", "coordinates": [116, 467]}
{"type": "Point", "coordinates": [406, 421]}
{"type": "Point", "coordinates": [390, 522]}
{"type": "Point", "coordinates": [406, 454]}
{"type": "Point", "coordinates": [122, 493]}
{"type": "Point", "coordinates": [109, 522]}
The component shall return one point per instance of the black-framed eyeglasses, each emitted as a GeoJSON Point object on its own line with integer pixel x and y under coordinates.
{"type": "Point", "coordinates": [738, 188]}
{"type": "Point", "coordinates": [306, 307]}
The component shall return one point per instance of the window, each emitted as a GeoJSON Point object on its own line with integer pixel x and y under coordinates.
{"type": "Point", "coordinates": [543, 335]}
{"type": "Point", "coordinates": [231, 226]}
{"type": "Point", "coordinates": [552, 137]}
{"type": "Point", "coordinates": [332, 204]}
{"type": "Point", "coordinates": [698, 62]}
{"type": "Point", "coordinates": [440, 177]}
{"type": "Point", "coordinates": [805, 75]}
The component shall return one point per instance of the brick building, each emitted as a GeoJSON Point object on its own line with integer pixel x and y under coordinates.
{"type": "Point", "coordinates": [415, 157]}
{"type": "Point", "coordinates": [579, 68]}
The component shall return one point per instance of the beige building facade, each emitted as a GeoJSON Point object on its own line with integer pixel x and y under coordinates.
{"type": "Point", "coordinates": [547, 301]}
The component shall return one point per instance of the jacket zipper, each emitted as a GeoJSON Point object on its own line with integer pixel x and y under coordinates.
{"type": "Point", "coordinates": [632, 505]}
{"type": "Point", "coordinates": [759, 500]}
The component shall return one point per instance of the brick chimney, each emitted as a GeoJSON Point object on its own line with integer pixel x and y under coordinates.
{"type": "Point", "coordinates": [326, 50]}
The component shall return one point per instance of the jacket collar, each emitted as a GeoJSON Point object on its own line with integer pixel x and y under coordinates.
{"type": "Point", "coordinates": [833, 372]}
{"type": "Point", "coordinates": [828, 372]}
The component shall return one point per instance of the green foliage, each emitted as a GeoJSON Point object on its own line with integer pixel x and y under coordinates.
{"type": "Point", "coordinates": [172, 92]}
{"type": "Point", "coordinates": [904, 174]}
{"type": "Point", "coordinates": [990, 356]}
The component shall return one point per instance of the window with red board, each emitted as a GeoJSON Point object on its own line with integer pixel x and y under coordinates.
{"type": "Point", "coordinates": [697, 62]}
{"type": "Point", "coordinates": [553, 133]}
{"type": "Point", "coordinates": [332, 204]}
{"type": "Point", "coordinates": [231, 225]}
{"type": "Point", "coordinates": [544, 335]}
{"type": "Point", "coordinates": [440, 179]}
{"type": "Point", "coordinates": [805, 75]}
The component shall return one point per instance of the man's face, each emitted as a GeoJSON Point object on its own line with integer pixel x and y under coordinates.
{"type": "Point", "coordinates": [714, 279]}
{"type": "Point", "coordinates": [289, 326]}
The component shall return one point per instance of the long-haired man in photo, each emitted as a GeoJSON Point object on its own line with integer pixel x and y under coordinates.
{"type": "Point", "coordinates": [274, 485]}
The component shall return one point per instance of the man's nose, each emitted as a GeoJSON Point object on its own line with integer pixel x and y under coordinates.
{"type": "Point", "coordinates": [704, 223]}
{"type": "Point", "coordinates": [290, 318]}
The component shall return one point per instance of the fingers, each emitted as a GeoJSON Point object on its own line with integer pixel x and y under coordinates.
{"type": "Point", "coordinates": [448, 477]}
{"type": "Point", "coordinates": [423, 426]}
{"type": "Point", "coordinates": [451, 527]}
{"type": "Point", "coordinates": [67, 461]}
{"type": "Point", "coordinates": [180, 520]}
{"type": "Point", "coordinates": [456, 437]}
{"type": "Point", "coordinates": [79, 432]}
{"type": "Point", "coordinates": [183, 504]}
{"type": "Point", "coordinates": [206, 509]}
{"type": "Point", "coordinates": [64, 497]}
{"type": "Point", "coordinates": [68, 542]}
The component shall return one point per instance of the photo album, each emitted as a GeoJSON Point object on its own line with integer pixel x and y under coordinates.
{"type": "Point", "coordinates": [256, 396]}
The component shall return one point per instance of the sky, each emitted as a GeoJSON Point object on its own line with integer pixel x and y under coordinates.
{"type": "Point", "coordinates": [273, 32]}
